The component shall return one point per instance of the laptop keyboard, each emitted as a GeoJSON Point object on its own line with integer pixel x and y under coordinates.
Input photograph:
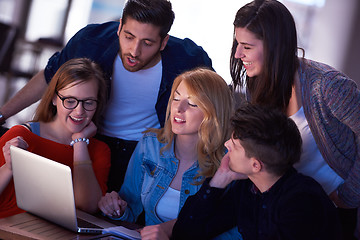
{"type": "Point", "coordinates": [85, 224]}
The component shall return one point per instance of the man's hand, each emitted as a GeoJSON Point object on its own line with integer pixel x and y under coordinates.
{"type": "Point", "coordinates": [224, 175]}
{"type": "Point", "coordinates": [112, 205]}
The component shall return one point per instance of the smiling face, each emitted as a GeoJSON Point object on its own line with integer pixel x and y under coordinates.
{"type": "Point", "coordinates": [185, 115]}
{"type": "Point", "coordinates": [250, 50]}
{"type": "Point", "coordinates": [74, 120]}
{"type": "Point", "coordinates": [140, 44]}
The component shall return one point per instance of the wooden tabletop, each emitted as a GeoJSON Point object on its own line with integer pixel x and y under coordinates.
{"type": "Point", "coordinates": [27, 226]}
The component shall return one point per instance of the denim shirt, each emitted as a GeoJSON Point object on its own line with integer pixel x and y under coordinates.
{"type": "Point", "coordinates": [149, 175]}
{"type": "Point", "coordinates": [100, 43]}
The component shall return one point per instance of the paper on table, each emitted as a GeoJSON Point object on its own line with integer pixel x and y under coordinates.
{"type": "Point", "coordinates": [123, 232]}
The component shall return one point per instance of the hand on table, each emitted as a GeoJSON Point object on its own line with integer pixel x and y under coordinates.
{"type": "Point", "coordinates": [154, 232]}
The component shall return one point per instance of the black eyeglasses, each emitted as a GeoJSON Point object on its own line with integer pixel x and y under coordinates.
{"type": "Point", "coordinates": [71, 103]}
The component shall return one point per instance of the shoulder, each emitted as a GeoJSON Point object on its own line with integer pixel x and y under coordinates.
{"type": "Point", "coordinates": [99, 31]}
{"type": "Point", "coordinates": [323, 80]}
{"type": "Point", "coordinates": [150, 138]}
{"type": "Point", "coordinates": [298, 186]}
{"type": "Point", "coordinates": [317, 71]}
{"type": "Point", "coordinates": [18, 130]}
{"type": "Point", "coordinates": [180, 49]}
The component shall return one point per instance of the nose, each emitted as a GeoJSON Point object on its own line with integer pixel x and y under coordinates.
{"type": "Point", "coordinates": [79, 108]}
{"type": "Point", "coordinates": [181, 107]}
{"type": "Point", "coordinates": [239, 52]}
{"type": "Point", "coordinates": [135, 49]}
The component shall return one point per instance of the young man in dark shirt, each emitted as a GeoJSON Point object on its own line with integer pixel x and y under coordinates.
{"type": "Point", "coordinates": [257, 189]}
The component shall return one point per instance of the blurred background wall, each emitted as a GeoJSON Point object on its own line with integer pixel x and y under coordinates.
{"type": "Point", "coordinates": [328, 30]}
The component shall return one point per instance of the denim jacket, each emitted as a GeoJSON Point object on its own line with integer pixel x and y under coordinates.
{"type": "Point", "coordinates": [149, 175]}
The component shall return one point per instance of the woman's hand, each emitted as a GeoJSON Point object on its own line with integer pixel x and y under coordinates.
{"type": "Point", "coordinates": [17, 142]}
{"type": "Point", "coordinates": [153, 232]}
{"type": "Point", "coordinates": [338, 202]}
{"type": "Point", "coordinates": [87, 132]}
{"type": "Point", "coordinates": [112, 205]}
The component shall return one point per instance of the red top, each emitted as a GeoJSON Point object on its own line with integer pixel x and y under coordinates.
{"type": "Point", "coordinates": [99, 154]}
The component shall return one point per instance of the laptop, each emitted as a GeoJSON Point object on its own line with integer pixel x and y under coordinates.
{"type": "Point", "coordinates": [44, 188]}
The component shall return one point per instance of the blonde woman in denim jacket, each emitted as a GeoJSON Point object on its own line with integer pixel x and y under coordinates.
{"type": "Point", "coordinates": [170, 164]}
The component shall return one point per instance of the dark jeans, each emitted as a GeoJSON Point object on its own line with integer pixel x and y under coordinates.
{"type": "Point", "coordinates": [121, 151]}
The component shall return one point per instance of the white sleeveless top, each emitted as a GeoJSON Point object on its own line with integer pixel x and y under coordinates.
{"type": "Point", "coordinates": [168, 206]}
{"type": "Point", "coordinates": [311, 162]}
{"type": "Point", "coordinates": [131, 107]}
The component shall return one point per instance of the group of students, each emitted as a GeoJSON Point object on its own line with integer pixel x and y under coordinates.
{"type": "Point", "coordinates": [177, 149]}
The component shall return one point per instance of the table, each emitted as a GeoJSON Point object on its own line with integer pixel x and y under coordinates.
{"type": "Point", "coordinates": [28, 226]}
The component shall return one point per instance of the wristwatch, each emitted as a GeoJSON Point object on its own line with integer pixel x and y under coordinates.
{"type": "Point", "coordinates": [2, 119]}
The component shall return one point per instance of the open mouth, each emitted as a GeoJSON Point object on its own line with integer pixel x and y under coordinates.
{"type": "Point", "coordinates": [179, 120]}
{"type": "Point", "coordinates": [76, 119]}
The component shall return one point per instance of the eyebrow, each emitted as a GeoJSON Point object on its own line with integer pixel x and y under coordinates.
{"type": "Point", "coordinates": [145, 39]}
{"type": "Point", "coordinates": [84, 99]}
{"type": "Point", "coordinates": [245, 43]}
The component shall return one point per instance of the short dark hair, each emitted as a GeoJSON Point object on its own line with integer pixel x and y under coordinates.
{"type": "Point", "coordinates": [156, 12]}
{"type": "Point", "coordinates": [271, 22]}
{"type": "Point", "coordinates": [268, 135]}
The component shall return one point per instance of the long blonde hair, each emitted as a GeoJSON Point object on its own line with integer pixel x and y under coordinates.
{"type": "Point", "coordinates": [213, 96]}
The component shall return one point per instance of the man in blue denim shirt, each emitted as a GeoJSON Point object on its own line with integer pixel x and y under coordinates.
{"type": "Point", "coordinates": [140, 61]}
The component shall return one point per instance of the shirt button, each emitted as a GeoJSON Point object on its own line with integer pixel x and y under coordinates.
{"type": "Point", "coordinates": [208, 191]}
{"type": "Point", "coordinates": [187, 191]}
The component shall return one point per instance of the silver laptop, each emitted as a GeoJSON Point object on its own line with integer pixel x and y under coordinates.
{"type": "Point", "coordinates": [44, 188]}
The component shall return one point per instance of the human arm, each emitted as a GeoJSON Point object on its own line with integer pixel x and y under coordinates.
{"type": "Point", "coordinates": [87, 190]}
{"type": "Point", "coordinates": [211, 211]}
{"type": "Point", "coordinates": [345, 108]}
{"type": "Point", "coordinates": [6, 169]}
{"type": "Point", "coordinates": [208, 213]}
{"type": "Point", "coordinates": [224, 175]}
{"type": "Point", "coordinates": [28, 95]}
{"type": "Point", "coordinates": [130, 192]}
{"type": "Point", "coordinates": [160, 231]}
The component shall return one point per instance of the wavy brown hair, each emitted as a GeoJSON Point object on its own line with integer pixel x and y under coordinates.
{"type": "Point", "coordinates": [72, 72]}
{"type": "Point", "coordinates": [212, 95]}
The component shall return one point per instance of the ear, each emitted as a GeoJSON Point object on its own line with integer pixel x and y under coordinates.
{"type": "Point", "coordinates": [256, 165]}
{"type": "Point", "coordinates": [54, 100]}
{"type": "Point", "coordinates": [164, 42]}
{"type": "Point", "coordinates": [119, 28]}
